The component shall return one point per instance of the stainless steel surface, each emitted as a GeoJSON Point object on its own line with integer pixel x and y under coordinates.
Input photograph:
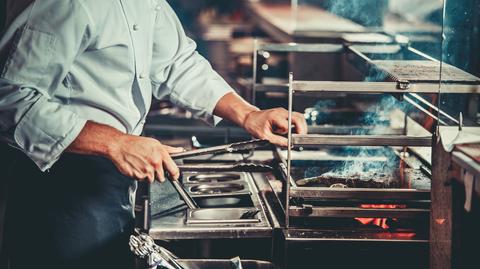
{"type": "Point", "coordinates": [173, 226]}
{"type": "Point", "coordinates": [221, 201]}
{"type": "Point", "coordinates": [289, 145]}
{"type": "Point", "coordinates": [355, 212]}
{"type": "Point", "coordinates": [424, 110]}
{"type": "Point", "coordinates": [185, 196]}
{"type": "Point", "coordinates": [359, 87]}
{"type": "Point", "coordinates": [216, 188]}
{"type": "Point", "coordinates": [301, 47]}
{"type": "Point", "coordinates": [424, 70]}
{"type": "Point", "coordinates": [236, 167]}
{"type": "Point", "coordinates": [223, 264]}
{"type": "Point", "coordinates": [220, 216]}
{"type": "Point", "coordinates": [144, 247]}
{"type": "Point", "coordinates": [361, 50]}
{"type": "Point", "coordinates": [361, 140]}
{"type": "Point", "coordinates": [212, 178]}
{"type": "Point", "coordinates": [315, 235]}
{"type": "Point", "coordinates": [351, 129]}
{"type": "Point", "coordinates": [229, 148]}
{"type": "Point", "coordinates": [366, 194]}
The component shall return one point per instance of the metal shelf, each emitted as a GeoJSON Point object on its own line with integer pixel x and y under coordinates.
{"type": "Point", "coordinates": [301, 47]}
{"type": "Point", "coordinates": [355, 212]}
{"type": "Point", "coordinates": [361, 140]}
{"type": "Point", "coordinates": [367, 193]}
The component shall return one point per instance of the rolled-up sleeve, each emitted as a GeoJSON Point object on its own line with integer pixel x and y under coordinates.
{"type": "Point", "coordinates": [188, 79]}
{"type": "Point", "coordinates": [39, 51]}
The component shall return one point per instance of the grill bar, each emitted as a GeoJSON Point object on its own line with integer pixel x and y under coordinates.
{"type": "Point", "coordinates": [359, 87]}
{"type": "Point", "coordinates": [361, 140]}
{"type": "Point", "coordinates": [355, 212]}
{"type": "Point", "coordinates": [360, 194]}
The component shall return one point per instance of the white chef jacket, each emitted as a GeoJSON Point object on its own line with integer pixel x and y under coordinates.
{"type": "Point", "coordinates": [64, 62]}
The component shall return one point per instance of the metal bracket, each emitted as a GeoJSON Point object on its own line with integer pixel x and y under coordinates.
{"type": "Point", "coordinates": [303, 210]}
{"type": "Point", "coordinates": [403, 85]}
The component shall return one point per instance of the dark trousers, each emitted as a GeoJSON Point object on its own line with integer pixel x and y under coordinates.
{"type": "Point", "coordinates": [79, 214]}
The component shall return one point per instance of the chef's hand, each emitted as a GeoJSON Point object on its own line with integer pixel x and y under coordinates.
{"type": "Point", "coordinates": [271, 124]}
{"type": "Point", "coordinates": [268, 124]}
{"type": "Point", "coordinates": [144, 158]}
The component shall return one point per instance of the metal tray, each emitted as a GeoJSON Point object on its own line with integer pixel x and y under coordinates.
{"type": "Point", "coordinates": [220, 215]}
{"type": "Point", "coordinates": [241, 200]}
{"type": "Point", "coordinates": [213, 178]}
{"type": "Point", "coordinates": [219, 189]}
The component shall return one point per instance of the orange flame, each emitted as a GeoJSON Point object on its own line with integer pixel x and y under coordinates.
{"type": "Point", "coordinates": [381, 222]}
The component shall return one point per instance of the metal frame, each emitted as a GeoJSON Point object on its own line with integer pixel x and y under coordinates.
{"type": "Point", "coordinates": [378, 195]}
{"type": "Point", "coordinates": [366, 194]}
{"type": "Point", "coordinates": [353, 87]}
{"type": "Point", "coordinates": [361, 140]}
{"type": "Point", "coordinates": [301, 47]}
{"type": "Point", "coordinates": [366, 87]}
{"type": "Point", "coordinates": [291, 47]}
{"type": "Point", "coordinates": [355, 212]}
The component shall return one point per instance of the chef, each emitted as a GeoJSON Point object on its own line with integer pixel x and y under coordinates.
{"type": "Point", "coordinates": [77, 78]}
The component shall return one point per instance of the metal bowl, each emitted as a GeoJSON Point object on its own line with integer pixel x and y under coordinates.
{"type": "Point", "coordinates": [217, 188]}
{"type": "Point", "coordinates": [213, 178]}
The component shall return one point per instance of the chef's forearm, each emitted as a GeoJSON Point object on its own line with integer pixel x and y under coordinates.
{"type": "Point", "coordinates": [234, 108]}
{"type": "Point", "coordinates": [95, 139]}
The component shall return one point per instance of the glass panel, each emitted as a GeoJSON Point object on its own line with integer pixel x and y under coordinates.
{"type": "Point", "coordinates": [460, 80]}
{"type": "Point", "coordinates": [398, 41]}
{"type": "Point", "coordinates": [386, 42]}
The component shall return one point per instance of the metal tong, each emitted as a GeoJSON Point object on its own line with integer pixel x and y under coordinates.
{"type": "Point", "coordinates": [235, 167]}
{"type": "Point", "coordinates": [185, 196]}
{"type": "Point", "coordinates": [143, 246]}
{"type": "Point", "coordinates": [228, 148]}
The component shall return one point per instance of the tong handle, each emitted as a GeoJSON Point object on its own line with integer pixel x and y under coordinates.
{"type": "Point", "coordinates": [185, 196]}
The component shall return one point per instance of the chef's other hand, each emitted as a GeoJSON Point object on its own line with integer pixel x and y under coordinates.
{"type": "Point", "coordinates": [144, 158]}
{"type": "Point", "coordinates": [271, 124]}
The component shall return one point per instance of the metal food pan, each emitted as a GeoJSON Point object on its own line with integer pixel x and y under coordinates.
{"type": "Point", "coordinates": [218, 189]}
{"type": "Point", "coordinates": [224, 201]}
{"type": "Point", "coordinates": [213, 178]}
{"type": "Point", "coordinates": [220, 216]}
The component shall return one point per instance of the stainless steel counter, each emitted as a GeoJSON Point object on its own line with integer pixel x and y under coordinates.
{"type": "Point", "coordinates": [171, 224]}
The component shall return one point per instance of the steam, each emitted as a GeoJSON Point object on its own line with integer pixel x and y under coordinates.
{"type": "Point", "coordinates": [366, 159]}
{"type": "Point", "coordinates": [355, 10]}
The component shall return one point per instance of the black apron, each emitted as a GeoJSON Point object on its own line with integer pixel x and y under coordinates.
{"type": "Point", "coordinates": [79, 214]}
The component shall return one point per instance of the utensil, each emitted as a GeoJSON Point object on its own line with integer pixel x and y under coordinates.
{"type": "Point", "coordinates": [185, 196]}
{"type": "Point", "coordinates": [228, 148]}
{"type": "Point", "coordinates": [143, 246]}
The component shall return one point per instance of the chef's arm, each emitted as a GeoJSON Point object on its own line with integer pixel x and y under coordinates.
{"type": "Point", "coordinates": [190, 82]}
{"type": "Point", "coordinates": [143, 158]}
{"type": "Point", "coordinates": [36, 51]}
{"type": "Point", "coordinates": [268, 124]}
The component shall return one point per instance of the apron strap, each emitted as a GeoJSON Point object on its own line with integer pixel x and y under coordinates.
{"type": "Point", "coordinates": [8, 157]}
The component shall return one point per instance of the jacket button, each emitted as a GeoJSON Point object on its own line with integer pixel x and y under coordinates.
{"type": "Point", "coordinates": [136, 27]}
{"type": "Point", "coordinates": [142, 75]}
{"type": "Point", "coordinates": [157, 8]}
